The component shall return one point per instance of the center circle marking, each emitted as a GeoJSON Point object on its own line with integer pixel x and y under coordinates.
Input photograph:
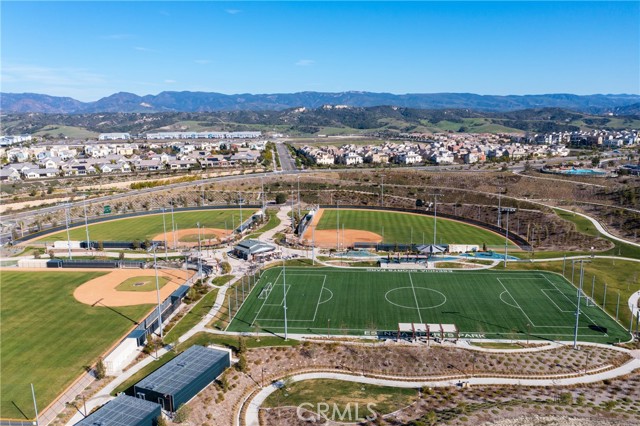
{"type": "Point", "coordinates": [418, 291]}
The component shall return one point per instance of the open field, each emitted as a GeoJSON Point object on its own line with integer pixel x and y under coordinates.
{"type": "Point", "coordinates": [147, 227]}
{"type": "Point", "coordinates": [396, 227]}
{"type": "Point", "coordinates": [48, 337]}
{"type": "Point", "coordinates": [483, 304]}
{"type": "Point", "coordinates": [313, 392]}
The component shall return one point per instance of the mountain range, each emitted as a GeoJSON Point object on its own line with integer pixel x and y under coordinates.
{"type": "Point", "coordinates": [621, 104]}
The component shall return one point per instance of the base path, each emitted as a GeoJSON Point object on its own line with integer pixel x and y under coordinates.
{"type": "Point", "coordinates": [191, 234]}
{"type": "Point", "coordinates": [330, 238]}
{"type": "Point", "coordinates": [102, 290]}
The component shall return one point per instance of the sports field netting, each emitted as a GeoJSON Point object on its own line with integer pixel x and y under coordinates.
{"type": "Point", "coordinates": [483, 304]}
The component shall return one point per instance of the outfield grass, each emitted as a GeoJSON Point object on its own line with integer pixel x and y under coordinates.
{"type": "Point", "coordinates": [489, 304]}
{"type": "Point", "coordinates": [148, 283]}
{"type": "Point", "coordinates": [47, 337]}
{"type": "Point", "coordinates": [396, 227]}
{"type": "Point", "coordinates": [147, 227]}
{"type": "Point", "coordinates": [345, 395]}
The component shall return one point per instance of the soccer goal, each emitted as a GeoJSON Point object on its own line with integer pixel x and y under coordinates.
{"type": "Point", "coordinates": [266, 291]}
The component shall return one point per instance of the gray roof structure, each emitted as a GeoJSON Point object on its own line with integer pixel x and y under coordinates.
{"type": "Point", "coordinates": [254, 246]}
{"type": "Point", "coordinates": [123, 411]}
{"type": "Point", "coordinates": [183, 370]}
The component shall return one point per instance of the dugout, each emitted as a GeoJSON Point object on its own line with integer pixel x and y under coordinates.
{"type": "Point", "coordinates": [179, 380]}
{"type": "Point", "coordinates": [124, 411]}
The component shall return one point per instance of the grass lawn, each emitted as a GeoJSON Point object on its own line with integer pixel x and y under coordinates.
{"type": "Point", "coordinates": [191, 318]}
{"type": "Point", "coordinates": [272, 223]}
{"type": "Point", "coordinates": [621, 277]}
{"type": "Point", "coordinates": [147, 227]}
{"type": "Point", "coordinates": [483, 304]}
{"type": "Point", "coordinates": [142, 284]}
{"type": "Point", "coordinates": [585, 226]}
{"type": "Point", "coordinates": [47, 337]}
{"type": "Point", "coordinates": [397, 228]}
{"type": "Point", "coordinates": [345, 395]}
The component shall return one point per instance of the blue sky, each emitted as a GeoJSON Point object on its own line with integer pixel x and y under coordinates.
{"type": "Point", "coordinates": [88, 50]}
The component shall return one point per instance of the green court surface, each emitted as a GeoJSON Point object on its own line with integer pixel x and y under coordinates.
{"type": "Point", "coordinates": [147, 227]}
{"type": "Point", "coordinates": [48, 338]}
{"type": "Point", "coordinates": [405, 228]}
{"type": "Point", "coordinates": [482, 304]}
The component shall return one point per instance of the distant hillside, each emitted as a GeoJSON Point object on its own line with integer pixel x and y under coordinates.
{"type": "Point", "coordinates": [324, 120]}
{"type": "Point", "coordinates": [209, 102]}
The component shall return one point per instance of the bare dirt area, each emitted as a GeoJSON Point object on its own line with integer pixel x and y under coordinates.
{"type": "Point", "coordinates": [329, 238]}
{"type": "Point", "coordinates": [102, 290]}
{"type": "Point", "coordinates": [189, 237]}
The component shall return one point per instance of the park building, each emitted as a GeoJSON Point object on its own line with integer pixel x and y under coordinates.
{"type": "Point", "coordinates": [124, 411]}
{"type": "Point", "coordinates": [255, 250]}
{"type": "Point", "coordinates": [179, 380]}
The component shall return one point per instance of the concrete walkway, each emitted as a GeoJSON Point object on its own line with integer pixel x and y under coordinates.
{"type": "Point", "coordinates": [252, 417]}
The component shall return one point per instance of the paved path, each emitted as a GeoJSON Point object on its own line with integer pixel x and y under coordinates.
{"type": "Point", "coordinates": [252, 418]}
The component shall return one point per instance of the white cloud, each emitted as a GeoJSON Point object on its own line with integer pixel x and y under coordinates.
{"type": "Point", "coordinates": [233, 11]}
{"type": "Point", "coordinates": [203, 61]}
{"type": "Point", "coordinates": [75, 82]}
{"type": "Point", "coordinates": [305, 62]}
{"type": "Point", "coordinates": [170, 81]}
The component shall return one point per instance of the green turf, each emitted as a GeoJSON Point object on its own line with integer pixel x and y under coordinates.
{"type": "Point", "coordinates": [148, 283]}
{"type": "Point", "coordinates": [491, 304]}
{"type": "Point", "coordinates": [192, 317]}
{"type": "Point", "coordinates": [397, 228]}
{"type": "Point", "coordinates": [47, 337]}
{"type": "Point", "coordinates": [147, 227]}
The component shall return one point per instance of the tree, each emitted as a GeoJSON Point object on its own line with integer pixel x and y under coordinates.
{"type": "Point", "coordinates": [242, 363]}
{"type": "Point", "coordinates": [121, 255]}
{"type": "Point", "coordinates": [484, 246]}
{"type": "Point", "coordinates": [419, 202]}
{"type": "Point", "coordinates": [161, 421]}
{"type": "Point", "coordinates": [51, 254]}
{"type": "Point", "coordinates": [226, 267]}
{"type": "Point", "coordinates": [281, 198]}
{"type": "Point", "coordinates": [182, 415]}
{"type": "Point", "coordinates": [101, 369]}
{"type": "Point", "coordinates": [36, 254]}
{"type": "Point", "coordinates": [100, 246]}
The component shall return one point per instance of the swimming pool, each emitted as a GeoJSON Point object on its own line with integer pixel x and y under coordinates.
{"type": "Point", "coordinates": [583, 172]}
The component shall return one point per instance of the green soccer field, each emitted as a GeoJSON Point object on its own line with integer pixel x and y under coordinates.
{"type": "Point", "coordinates": [47, 337]}
{"type": "Point", "coordinates": [147, 227]}
{"type": "Point", "coordinates": [404, 228]}
{"type": "Point", "coordinates": [483, 304]}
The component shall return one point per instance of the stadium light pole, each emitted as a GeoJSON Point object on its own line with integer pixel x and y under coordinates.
{"type": "Point", "coordinates": [499, 208]}
{"type": "Point", "coordinates": [240, 202]}
{"type": "Point", "coordinates": [67, 219]}
{"type": "Point", "coordinates": [35, 405]}
{"type": "Point", "coordinates": [199, 251]}
{"type": "Point", "coordinates": [284, 290]}
{"type": "Point", "coordinates": [506, 240]}
{"type": "Point", "coordinates": [575, 331]}
{"type": "Point", "coordinates": [86, 225]}
{"type": "Point", "coordinates": [173, 228]}
{"type": "Point", "coordinates": [382, 192]}
{"type": "Point", "coordinates": [337, 224]}
{"type": "Point", "coordinates": [164, 229]}
{"type": "Point", "coordinates": [155, 266]}
{"type": "Point", "coordinates": [435, 216]}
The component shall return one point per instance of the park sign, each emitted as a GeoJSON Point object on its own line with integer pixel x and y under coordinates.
{"type": "Point", "coordinates": [107, 209]}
